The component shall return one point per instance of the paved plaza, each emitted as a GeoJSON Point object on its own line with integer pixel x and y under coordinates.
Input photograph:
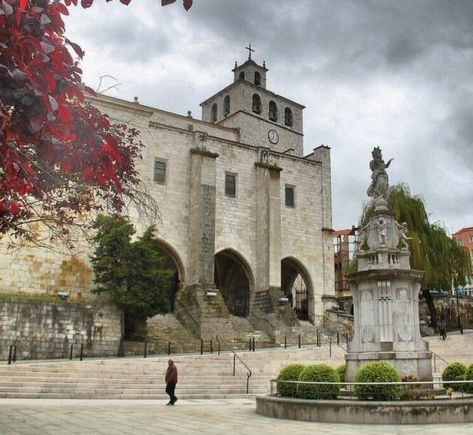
{"type": "Point", "coordinates": [231, 416]}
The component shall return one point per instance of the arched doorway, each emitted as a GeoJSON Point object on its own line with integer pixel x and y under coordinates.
{"type": "Point", "coordinates": [173, 262]}
{"type": "Point", "coordinates": [234, 279]}
{"type": "Point", "coordinates": [295, 284]}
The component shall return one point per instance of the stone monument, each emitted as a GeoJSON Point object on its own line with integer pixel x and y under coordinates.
{"type": "Point", "coordinates": [385, 291]}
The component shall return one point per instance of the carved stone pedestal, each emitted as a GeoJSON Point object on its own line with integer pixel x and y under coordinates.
{"type": "Point", "coordinates": [385, 297]}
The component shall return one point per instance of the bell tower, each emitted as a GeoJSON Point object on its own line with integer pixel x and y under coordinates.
{"type": "Point", "coordinates": [265, 119]}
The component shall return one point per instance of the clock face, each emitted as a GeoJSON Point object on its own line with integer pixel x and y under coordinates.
{"type": "Point", "coordinates": [273, 136]}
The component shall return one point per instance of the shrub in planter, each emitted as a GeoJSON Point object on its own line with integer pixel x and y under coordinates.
{"type": "Point", "coordinates": [289, 373]}
{"type": "Point", "coordinates": [414, 392]}
{"type": "Point", "coordinates": [378, 371]}
{"type": "Point", "coordinates": [318, 373]}
{"type": "Point", "coordinates": [455, 371]}
{"type": "Point", "coordinates": [342, 370]}
{"type": "Point", "coordinates": [469, 377]}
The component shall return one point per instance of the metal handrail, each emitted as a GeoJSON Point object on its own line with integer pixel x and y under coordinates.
{"type": "Point", "coordinates": [437, 356]}
{"type": "Point", "coordinates": [349, 385]}
{"type": "Point", "coordinates": [235, 357]}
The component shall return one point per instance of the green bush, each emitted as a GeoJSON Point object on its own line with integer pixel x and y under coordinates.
{"type": "Point", "coordinates": [469, 377]}
{"type": "Point", "coordinates": [455, 371]}
{"type": "Point", "coordinates": [378, 371]}
{"type": "Point", "coordinates": [289, 373]}
{"type": "Point", "coordinates": [342, 370]}
{"type": "Point", "coordinates": [318, 373]}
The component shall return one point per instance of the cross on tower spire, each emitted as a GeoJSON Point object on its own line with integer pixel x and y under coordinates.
{"type": "Point", "coordinates": [249, 51]}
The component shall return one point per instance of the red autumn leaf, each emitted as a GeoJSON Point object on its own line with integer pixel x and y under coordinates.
{"type": "Point", "coordinates": [15, 208]}
{"type": "Point", "coordinates": [65, 114]}
{"type": "Point", "coordinates": [167, 2]}
{"type": "Point", "coordinates": [62, 9]}
{"type": "Point", "coordinates": [187, 4]}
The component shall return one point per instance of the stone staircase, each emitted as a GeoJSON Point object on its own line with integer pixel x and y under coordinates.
{"type": "Point", "coordinates": [456, 347]}
{"type": "Point", "coordinates": [200, 376]}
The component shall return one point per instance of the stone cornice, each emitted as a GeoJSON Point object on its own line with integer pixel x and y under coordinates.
{"type": "Point", "coordinates": [204, 153]}
{"type": "Point", "coordinates": [385, 274]}
{"type": "Point", "coordinates": [268, 166]}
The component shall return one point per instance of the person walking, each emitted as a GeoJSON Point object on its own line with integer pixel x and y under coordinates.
{"type": "Point", "coordinates": [171, 381]}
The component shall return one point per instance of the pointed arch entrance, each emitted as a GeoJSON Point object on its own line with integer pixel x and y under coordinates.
{"type": "Point", "coordinates": [172, 261]}
{"type": "Point", "coordinates": [296, 285]}
{"type": "Point", "coordinates": [233, 277]}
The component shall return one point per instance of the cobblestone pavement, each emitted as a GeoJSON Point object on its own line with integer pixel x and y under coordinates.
{"type": "Point", "coordinates": [231, 416]}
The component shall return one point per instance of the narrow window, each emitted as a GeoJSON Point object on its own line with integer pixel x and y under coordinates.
{"type": "Point", "coordinates": [226, 105]}
{"type": "Point", "coordinates": [288, 117]}
{"type": "Point", "coordinates": [159, 172]}
{"type": "Point", "coordinates": [242, 75]}
{"type": "Point", "coordinates": [273, 111]}
{"type": "Point", "coordinates": [256, 106]}
{"type": "Point", "coordinates": [257, 78]}
{"type": "Point", "coordinates": [290, 196]}
{"type": "Point", "coordinates": [230, 184]}
{"type": "Point", "coordinates": [213, 112]}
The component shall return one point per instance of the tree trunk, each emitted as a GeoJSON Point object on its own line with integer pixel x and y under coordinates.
{"type": "Point", "coordinates": [430, 304]}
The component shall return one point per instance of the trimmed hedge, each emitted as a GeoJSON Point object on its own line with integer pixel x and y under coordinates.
{"type": "Point", "coordinates": [289, 373]}
{"type": "Point", "coordinates": [469, 377]}
{"type": "Point", "coordinates": [342, 370]}
{"type": "Point", "coordinates": [318, 373]}
{"type": "Point", "coordinates": [455, 371]}
{"type": "Point", "coordinates": [378, 371]}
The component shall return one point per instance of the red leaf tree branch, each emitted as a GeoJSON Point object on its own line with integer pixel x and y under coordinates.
{"type": "Point", "coordinates": [58, 154]}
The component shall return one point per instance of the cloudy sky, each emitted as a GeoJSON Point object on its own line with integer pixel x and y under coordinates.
{"type": "Point", "coordinates": [395, 74]}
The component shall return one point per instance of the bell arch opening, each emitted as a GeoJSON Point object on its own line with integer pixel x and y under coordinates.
{"type": "Point", "coordinates": [296, 286]}
{"type": "Point", "coordinates": [233, 277]}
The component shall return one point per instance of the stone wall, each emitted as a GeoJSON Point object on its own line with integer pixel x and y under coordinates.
{"type": "Point", "coordinates": [47, 329]}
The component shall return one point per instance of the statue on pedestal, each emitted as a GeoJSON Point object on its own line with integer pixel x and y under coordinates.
{"type": "Point", "coordinates": [379, 187]}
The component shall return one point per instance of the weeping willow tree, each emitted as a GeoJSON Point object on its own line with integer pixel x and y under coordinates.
{"type": "Point", "coordinates": [443, 260]}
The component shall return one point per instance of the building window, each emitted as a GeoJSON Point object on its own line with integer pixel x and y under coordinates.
{"type": "Point", "coordinates": [257, 78]}
{"type": "Point", "coordinates": [230, 184]}
{"type": "Point", "coordinates": [256, 106]}
{"type": "Point", "coordinates": [242, 75]}
{"type": "Point", "coordinates": [213, 112]}
{"type": "Point", "coordinates": [290, 196]}
{"type": "Point", "coordinates": [273, 111]}
{"type": "Point", "coordinates": [226, 105]}
{"type": "Point", "coordinates": [160, 171]}
{"type": "Point", "coordinates": [288, 117]}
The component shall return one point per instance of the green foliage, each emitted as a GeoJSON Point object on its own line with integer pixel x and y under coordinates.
{"type": "Point", "coordinates": [342, 370]}
{"type": "Point", "coordinates": [442, 259]}
{"type": "Point", "coordinates": [378, 371]}
{"type": "Point", "coordinates": [289, 373]}
{"type": "Point", "coordinates": [455, 371]}
{"type": "Point", "coordinates": [432, 250]}
{"type": "Point", "coordinates": [469, 377]}
{"type": "Point", "coordinates": [132, 273]}
{"type": "Point", "coordinates": [318, 373]}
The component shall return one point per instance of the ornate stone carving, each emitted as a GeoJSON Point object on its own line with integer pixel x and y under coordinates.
{"type": "Point", "coordinates": [379, 188]}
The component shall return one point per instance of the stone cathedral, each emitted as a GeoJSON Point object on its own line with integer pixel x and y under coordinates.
{"type": "Point", "coordinates": [245, 216]}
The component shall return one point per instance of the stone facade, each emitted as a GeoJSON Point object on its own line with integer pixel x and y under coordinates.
{"type": "Point", "coordinates": [47, 329]}
{"type": "Point", "coordinates": [202, 227]}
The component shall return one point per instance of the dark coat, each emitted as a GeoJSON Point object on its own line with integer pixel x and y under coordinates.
{"type": "Point", "coordinates": [171, 375]}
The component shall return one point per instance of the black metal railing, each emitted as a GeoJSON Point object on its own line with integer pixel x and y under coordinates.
{"type": "Point", "coordinates": [235, 358]}
{"type": "Point", "coordinates": [406, 390]}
